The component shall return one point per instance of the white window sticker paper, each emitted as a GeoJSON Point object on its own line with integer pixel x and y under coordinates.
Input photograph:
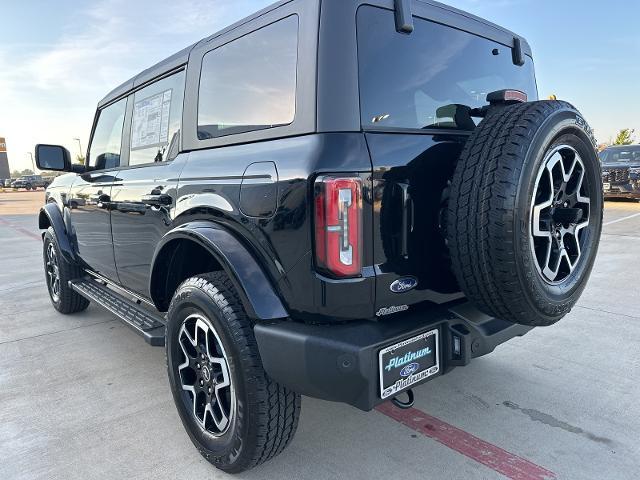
{"type": "Point", "coordinates": [151, 121]}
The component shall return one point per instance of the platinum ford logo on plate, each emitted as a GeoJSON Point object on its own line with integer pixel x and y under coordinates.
{"type": "Point", "coordinates": [409, 369]}
{"type": "Point", "coordinates": [403, 284]}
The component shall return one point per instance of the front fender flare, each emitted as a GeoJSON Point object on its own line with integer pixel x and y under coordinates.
{"type": "Point", "coordinates": [50, 215]}
{"type": "Point", "coordinates": [254, 287]}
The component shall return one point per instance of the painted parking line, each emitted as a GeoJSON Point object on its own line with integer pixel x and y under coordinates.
{"type": "Point", "coordinates": [508, 464]}
{"type": "Point", "coordinates": [621, 219]}
{"type": "Point", "coordinates": [24, 231]}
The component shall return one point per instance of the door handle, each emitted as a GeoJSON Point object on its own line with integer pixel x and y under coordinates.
{"type": "Point", "coordinates": [160, 200]}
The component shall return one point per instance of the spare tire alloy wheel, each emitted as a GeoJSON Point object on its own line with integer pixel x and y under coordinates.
{"type": "Point", "coordinates": [525, 212]}
{"type": "Point", "coordinates": [559, 213]}
{"type": "Point", "coordinates": [204, 375]}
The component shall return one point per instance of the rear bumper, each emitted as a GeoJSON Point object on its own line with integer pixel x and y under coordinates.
{"type": "Point", "coordinates": [340, 362]}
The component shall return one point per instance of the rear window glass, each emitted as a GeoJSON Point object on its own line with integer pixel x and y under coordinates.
{"type": "Point", "coordinates": [428, 79]}
{"type": "Point", "coordinates": [250, 83]}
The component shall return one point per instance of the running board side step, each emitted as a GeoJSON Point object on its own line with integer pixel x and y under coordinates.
{"type": "Point", "coordinates": [150, 326]}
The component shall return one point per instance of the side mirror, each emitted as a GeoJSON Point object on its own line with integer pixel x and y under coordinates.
{"type": "Point", "coordinates": [53, 157]}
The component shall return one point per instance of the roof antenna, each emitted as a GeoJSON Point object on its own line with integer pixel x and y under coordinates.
{"type": "Point", "coordinates": [516, 52]}
{"type": "Point", "coordinates": [404, 18]}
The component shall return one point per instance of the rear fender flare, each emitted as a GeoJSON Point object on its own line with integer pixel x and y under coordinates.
{"type": "Point", "coordinates": [255, 289]}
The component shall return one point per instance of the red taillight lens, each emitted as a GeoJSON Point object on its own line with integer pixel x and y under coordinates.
{"type": "Point", "coordinates": [338, 222]}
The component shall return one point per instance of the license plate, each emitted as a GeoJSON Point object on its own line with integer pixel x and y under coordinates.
{"type": "Point", "coordinates": [606, 186]}
{"type": "Point", "coordinates": [408, 362]}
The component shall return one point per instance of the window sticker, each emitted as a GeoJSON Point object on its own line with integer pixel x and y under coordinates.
{"type": "Point", "coordinates": [151, 121]}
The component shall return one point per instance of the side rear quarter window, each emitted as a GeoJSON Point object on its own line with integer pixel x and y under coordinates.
{"type": "Point", "coordinates": [156, 119]}
{"type": "Point", "coordinates": [249, 83]}
{"type": "Point", "coordinates": [106, 142]}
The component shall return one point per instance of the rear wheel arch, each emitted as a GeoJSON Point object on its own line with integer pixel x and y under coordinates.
{"type": "Point", "coordinates": [205, 246]}
{"type": "Point", "coordinates": [175, 261]}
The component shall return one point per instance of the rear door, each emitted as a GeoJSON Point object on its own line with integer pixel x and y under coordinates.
{"type": "Point", "coordinates": [415, 94]}
{"type": "Point", "coordinates": [143, 198]}
{"type": "Point", "coordinates": [90, 194]}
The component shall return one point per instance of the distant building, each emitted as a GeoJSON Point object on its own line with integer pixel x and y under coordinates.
{"type": "Point", "coordinates": [4, 161]}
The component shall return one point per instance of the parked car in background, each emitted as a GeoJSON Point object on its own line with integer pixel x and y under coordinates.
{"type": "Point", "coordinates": [6, 183]}
{"type": "Point", "coordinates": [621, 171]}
{"type": "Point", "coordinates": [30, 182]}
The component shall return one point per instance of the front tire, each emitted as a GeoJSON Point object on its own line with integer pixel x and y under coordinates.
{"type": "Point", "coordinates": [58, 272]}
{"type": "Point", "coordinates": [235, 415]}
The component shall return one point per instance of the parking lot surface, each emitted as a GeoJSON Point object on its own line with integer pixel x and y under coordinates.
{"type": "Point", "coordinates": [82, 396]}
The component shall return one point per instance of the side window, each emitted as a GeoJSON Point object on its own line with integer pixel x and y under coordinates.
{"type": "Point", "coordinates": [250, 83]}
{"type": "Point", "coordinates": [156, 119]}
{"type": "Point", "coordinates": [107, 137]}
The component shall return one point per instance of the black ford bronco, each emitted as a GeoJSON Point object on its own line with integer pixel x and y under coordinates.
{"type": "Point", "coordinates": [334, 198]}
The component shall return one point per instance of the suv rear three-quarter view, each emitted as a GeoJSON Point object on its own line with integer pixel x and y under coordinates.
{"type": "Point", "coordinates": [339, 199]}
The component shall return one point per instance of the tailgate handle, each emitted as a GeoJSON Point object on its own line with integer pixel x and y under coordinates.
{"type": "Point", "coordinates": [407, 218]}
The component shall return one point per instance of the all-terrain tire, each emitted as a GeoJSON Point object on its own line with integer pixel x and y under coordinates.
{"type": "Point", "coordinates": [496, 254]}
{"type": "Point", "coordinates": [65, 299]}
{"type": "Point", "coordinates": [266, 413]}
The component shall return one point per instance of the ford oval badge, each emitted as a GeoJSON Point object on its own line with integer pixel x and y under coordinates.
{"type": "Point", "coordinates": [404, 284]}
{"type": "Point", "coordinates": [409, 369]}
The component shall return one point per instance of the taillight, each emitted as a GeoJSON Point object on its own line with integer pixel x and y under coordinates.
{"type": "Point", "coordinates": [338, 223]}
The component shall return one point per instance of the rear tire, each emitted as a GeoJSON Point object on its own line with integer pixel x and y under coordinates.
{"type": "Point", "coordinates": [58, 272]}
{"type": "Point", "coordinates": [261, 415]}
{"type": "Point", "coordinates": [514, 210]}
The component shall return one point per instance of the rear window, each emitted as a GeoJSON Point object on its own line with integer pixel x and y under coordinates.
{"type": "Point", "coordinates": [250, 83]}
{"type": "Point", "coordinates": [428, 79]}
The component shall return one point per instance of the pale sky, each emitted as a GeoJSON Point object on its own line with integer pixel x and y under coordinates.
{"type": "Point", "coordinates": [60, 58]}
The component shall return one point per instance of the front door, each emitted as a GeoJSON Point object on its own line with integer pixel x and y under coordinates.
{"type": "Point", "coordinates": [143, 198]}
{"type": "Point", "coordinates": [90, 195]}
{"type": "Point", "coordinates": [89, 200]}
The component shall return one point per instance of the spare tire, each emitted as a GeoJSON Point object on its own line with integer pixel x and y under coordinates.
{"type": "Point", "coordinates": [525, 212]}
